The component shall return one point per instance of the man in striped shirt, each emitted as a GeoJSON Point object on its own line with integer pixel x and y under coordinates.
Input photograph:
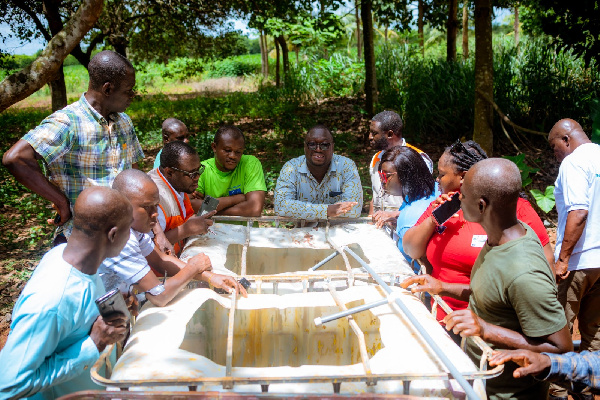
{"type": "Point", "coordinates": [85, 144]}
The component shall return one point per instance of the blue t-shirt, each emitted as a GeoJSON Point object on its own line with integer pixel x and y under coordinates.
{"type": "Point", "coordinates": [49, 352]}
{"type": "Point", "coordinates": [409, 215]}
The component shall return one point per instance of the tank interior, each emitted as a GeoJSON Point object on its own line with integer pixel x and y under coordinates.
{"type": "Point", "coordinates": [273, 337]}
{"type": "Point", "coordinates": [271, 261]}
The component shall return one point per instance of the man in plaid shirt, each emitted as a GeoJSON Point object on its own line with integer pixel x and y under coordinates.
{"type": "Point", "coordinates": [85, 144]}
{"type": "Point", "coordinates": [581, 369]}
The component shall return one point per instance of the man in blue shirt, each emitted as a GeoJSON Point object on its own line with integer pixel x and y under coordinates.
{"type": "Point", "coordinates": [56, 331]}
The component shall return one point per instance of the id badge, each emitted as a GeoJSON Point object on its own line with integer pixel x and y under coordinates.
{"type": "Point", "coordinates": [478, 240]}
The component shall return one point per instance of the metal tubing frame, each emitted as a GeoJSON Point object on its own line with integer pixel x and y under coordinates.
{"type": "Point", "coordinates": [229, 355]}
{"type": "Point", "coordinates": [336, 380]}
{"type": "Point", "coordinates": [362, 344]}
{"type": "Point", "coordinates": [470, 392]}
{"type": "Point", "coordinates": [323, 261]}
{"type": "Point", "coordinates": [277, 219]}
{"type": "Point", "coordinates": [340, 250]}
{"type": "Point", "coordinates": [348, 312]}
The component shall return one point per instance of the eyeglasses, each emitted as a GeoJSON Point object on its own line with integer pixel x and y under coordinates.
{"type": "Point", "coordinates": [322, 146]}
{"type": "Point", "coordinates": [191, 174]}
{"type": "Point", "coordinates": [385, 176]}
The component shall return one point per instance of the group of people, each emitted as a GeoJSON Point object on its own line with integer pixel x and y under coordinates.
{"type": "Point", "coordinates": [121, 228]}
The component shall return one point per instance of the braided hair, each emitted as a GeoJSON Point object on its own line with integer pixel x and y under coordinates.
{"type": "Point", "coordinates": [465, 155]}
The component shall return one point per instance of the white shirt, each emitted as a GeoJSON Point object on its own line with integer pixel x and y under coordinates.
{"type": "Point", "coordinates": [577, 187]}
{"type": "Point", "coordinates": [130, 266]}
{"type": "Point", "coordinates": [161, 219]}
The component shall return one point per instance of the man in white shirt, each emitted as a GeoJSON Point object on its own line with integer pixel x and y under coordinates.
{"type": "Point", "coordinates": [577, 252]}
{"type": "Point", "coordinates": [385, 132]}
{"type": "Point", "coordinates": [132, 266]}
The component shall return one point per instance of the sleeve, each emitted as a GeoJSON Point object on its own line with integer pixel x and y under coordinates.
{"type": "Point", "coordinates": [375, 180]}
{"type": "Point", "coordinates": [527, 214]}
{"type": "Point", "coordinates": [581, 367]}
{"type": "Point", "coordinates": [146, 245]}
{"type": "Point", "coordinates": [161, 219]}
{"type": "Point", "coordinates": [31, 352]}
{"type": "Point", "coordinates": [352, 188]}
{"type": "Point", "coordinates": [137, 154]}
{"type": "Point", "coordinates": [254, 178]}
{"type": "Point", "coordinates": [425, 214]}
{"type": "Point", "coordinates": [576, 189]}
{"type": "Point", "coordinates": [533, 296]}
{"type": "Point", "coordinates": [52, 138]}
{"type": "Point", "coordinates": [286, 204]}
{"type": "Point", "coordinates": [201, 180]}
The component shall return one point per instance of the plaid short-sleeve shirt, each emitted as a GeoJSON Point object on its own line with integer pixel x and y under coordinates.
{"type": "Point", "coordinates": [83, 149]}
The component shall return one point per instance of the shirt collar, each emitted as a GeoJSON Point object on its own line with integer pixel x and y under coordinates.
{"type": "Point", "coordinates": [97, 116]}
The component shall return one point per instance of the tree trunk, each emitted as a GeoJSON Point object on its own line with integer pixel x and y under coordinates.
{"type": "Point", "coordinates": [451, 30]}
{"type": "Point", "coordinates": [285, 54]}
{"type": "Point", "coordinates": [465, 30]}
{"type": "Point", "coordinates": [385, 35]}
{"type": "Point", "coordinates": [420, 24]}
{"type": "Point", "coordinates": [484, 75]}
{"type": "Point", "coordinates": [370, 78]}
{"type": "Point", "coordinates": [297, 51]}
{"type": "Point", "coordinates": [21, 84]}
{"type": "Point", "coordinates": [358, 35]}
{"type": "Point", "coordinates": [120, 45]}
{"type": "Point", "coordinates": [277, 76]}
{"type": "Point", "coordinates": [516, 26]}
{"type": "Point", "coordinates": [264, 55]}
{"type": "Point", "coordinates": [58, 88]}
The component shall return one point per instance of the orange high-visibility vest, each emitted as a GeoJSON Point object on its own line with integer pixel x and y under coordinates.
{"type": "Point", "coordinates": [170, 206]}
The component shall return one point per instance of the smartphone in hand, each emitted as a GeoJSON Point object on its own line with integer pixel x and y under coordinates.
{"type": "Point", "coordinates": [112, 302]}
{"type": "Point", "coordinates": [444, 211]}
{"type": "Point", "coordinates": [209, 204]}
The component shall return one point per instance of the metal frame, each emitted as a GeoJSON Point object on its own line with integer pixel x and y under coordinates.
{"type": "Point", "coordinates": [307, 279]}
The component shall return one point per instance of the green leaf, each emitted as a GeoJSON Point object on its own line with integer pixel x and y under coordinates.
{"type": "Point", "coordinates": [545, 200]}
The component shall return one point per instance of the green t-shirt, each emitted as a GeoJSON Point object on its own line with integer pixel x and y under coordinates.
{"type": "Point", "coordinates": [247, 177]}
{"type": "Point", "coordinates": [512, 286]}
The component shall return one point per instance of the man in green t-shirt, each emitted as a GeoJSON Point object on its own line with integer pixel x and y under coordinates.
{"type": "Point", "coordinates": [512, 295]}
{"type": "Point", "coordinates": [234, 178]}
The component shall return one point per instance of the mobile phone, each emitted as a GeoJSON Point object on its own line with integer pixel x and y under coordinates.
{"type": "Point", "coordinates": [209, 204]}
{"type": "Point", "coordinates": [112, 302]}
{"type": "Point", "coordinates": [446, 210]}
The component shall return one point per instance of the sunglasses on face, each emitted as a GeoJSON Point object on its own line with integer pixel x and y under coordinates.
{"type": "Point", "coordinates": [322, 146]}
{"type": "Point", "coordinates": [385, 176]}
{"type": "Point", "coordinates": [191, 174]}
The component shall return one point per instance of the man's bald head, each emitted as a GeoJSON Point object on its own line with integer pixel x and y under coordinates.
{"type": "Point", "coordinates": [173, 129]}
{"type": "Point", "coordinates": [492, 184]}
{"type": "Point", "coordinates": [565, 136]}
{"type": "Point", "coordinates": [98, 209]}
{"type": "Point", "coordinates": [108, 66]}
{"type": "Point", "coordinates": [132, 183]}
{"type": "Point", "coordinates": [496, 179]}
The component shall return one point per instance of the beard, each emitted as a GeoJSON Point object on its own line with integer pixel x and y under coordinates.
{"type": "Point", "coordinates": [381, 143]}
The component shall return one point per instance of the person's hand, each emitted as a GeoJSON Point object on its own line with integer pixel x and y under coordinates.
{"type": "Point", "coordinates": [425, 283]}
{"type": "Point", "coordinates": [200, 262]}
{"type": "Point", "coordinates": [466, 323]}
{"type": "Point", "coordinates": [442, 198]}
{"type": "Point", "coordinates": [64, 214]}
{"type": "Point", "coordinates": [530, 363]}
{"type": "Point", "coordinates": [381, 217]}
{"type": "Point", "coordinates": [132, 303]}
{"type": "Point", "coordinates": [198, 225]}
{"type": "Point", "coordinates": [109, 330]}
{"type": "Point", "coordinates": [226, 283]}
{"type": "Point", "coordinates": [160, 239]}
{"type": "Point", "coordinates": [561, 270]}
{"type": "Point", "coordinates": [196, 195]}
{"type": "Point", "coordinates": [334, 210]}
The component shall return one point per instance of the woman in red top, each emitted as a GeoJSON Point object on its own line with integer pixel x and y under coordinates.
{"type": "Point", "coordinates": [452, 250]}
